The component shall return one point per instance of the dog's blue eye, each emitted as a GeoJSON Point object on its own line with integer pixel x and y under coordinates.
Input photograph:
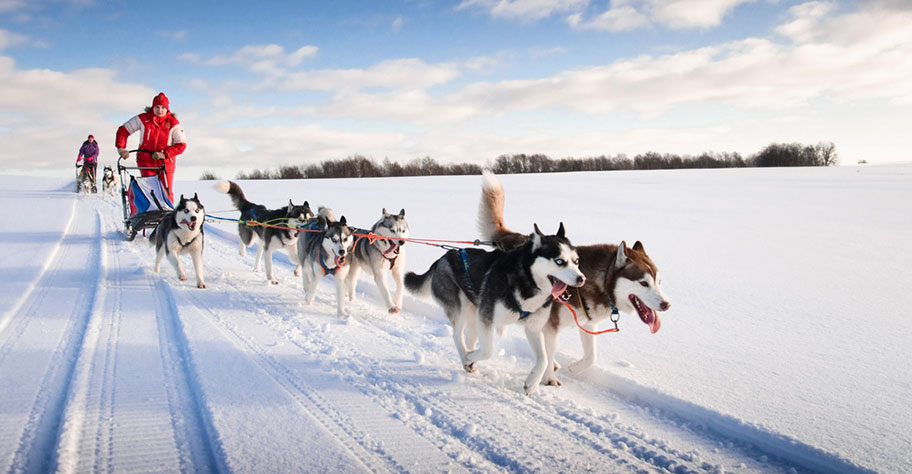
{"type": "Point", "coordinates": [560, 262]}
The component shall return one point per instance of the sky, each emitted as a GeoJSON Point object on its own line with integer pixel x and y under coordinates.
{"type": "Point", "coordinates": [295, 83]}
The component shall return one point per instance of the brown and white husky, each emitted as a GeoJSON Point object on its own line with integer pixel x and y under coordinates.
{"type": "Point", "coordinates": [617, 278]}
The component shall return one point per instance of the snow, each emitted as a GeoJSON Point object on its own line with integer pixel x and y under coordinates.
{"type": "Point", "coordinates": [785, 349]}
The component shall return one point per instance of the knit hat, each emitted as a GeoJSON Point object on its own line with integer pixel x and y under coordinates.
{"type": "Point", "coordinates": [160, 99]}
{"type": "Point", "coordinates": [91, 137]}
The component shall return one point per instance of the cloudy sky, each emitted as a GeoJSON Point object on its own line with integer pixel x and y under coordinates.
{"type": "Point", "coordinates": [460, 81]}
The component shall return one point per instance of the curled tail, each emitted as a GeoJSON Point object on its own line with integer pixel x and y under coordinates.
{"type": "Point", "coordinates": [491, 208]}
{"type": "Point", "coordinates": [232, 189]}
{"type": "Point", "coordinates": [419, 284]}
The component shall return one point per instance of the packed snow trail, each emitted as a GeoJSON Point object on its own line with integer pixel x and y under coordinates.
{"type": "Point", "coordinates": [108, 366]}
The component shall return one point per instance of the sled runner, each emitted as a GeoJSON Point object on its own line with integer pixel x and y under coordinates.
{"type": "Point", "coordinates": [145, 198]}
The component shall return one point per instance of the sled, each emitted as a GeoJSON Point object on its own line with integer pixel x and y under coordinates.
{"type": "Point", "coordinates": [145, 198]}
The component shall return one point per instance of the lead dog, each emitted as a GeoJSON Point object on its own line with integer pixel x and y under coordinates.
{"type": "Point", "coordinates": [380, 257]}
{"type": "Point", "coordinates": [181, 232]}
{"type": "Point", "coordinates": [620, 278]}
{"type": "Point", "coordinates": [502, 288]}
{"type": "Point", "coordinates": [324, 249]}
{"type": "Point", "coordinates": [276, 235]}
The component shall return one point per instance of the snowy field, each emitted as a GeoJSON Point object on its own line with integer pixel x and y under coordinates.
{"type": "Point", "coordinates": [785, 349]}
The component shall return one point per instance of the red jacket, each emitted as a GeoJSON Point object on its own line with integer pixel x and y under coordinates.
{"type": "Point", "coordinates": [163, 134]}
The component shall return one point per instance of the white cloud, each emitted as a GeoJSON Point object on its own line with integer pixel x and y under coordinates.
{"type": "Point", "coordinates": [268, 59]}
{"type": "Point", "coordinates": [394, 74]}
{"type": "Point", "coordinates": [615, 20]}
{"type": "Point", "coordinates": [398, 23]}
{"type": "Point", "coordinates": [524, 10]}
{"type": "Point", "coordinates": [9, 39]}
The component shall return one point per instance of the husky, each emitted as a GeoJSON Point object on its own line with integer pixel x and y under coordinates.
{"type": "Point", "coordinates": [324, 249]}
{"type": "Point", "coordinates": [86, 181]}
{"type": "Point", "coordinates": [276, 236]}
{"type": "Point", "coordinates": [179, 233]}
{"type": "Point", "coordinates": [381, 256]}
{"type": "Point", "coordinates": [109, 182]}
{"type": "Point", "coordinates": [500, 288]}
{"type": "Point", "coordinates": [621, 280]}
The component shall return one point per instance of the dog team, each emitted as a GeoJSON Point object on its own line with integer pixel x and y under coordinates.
{"type": "Point", "coordinates": [540, 281]}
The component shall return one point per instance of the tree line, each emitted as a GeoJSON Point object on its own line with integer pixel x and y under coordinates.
{"type": "Point", "coordinates": [357, 166]}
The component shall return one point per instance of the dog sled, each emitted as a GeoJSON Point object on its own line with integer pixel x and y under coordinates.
{"type": "Point", "coordinates": [145, 198]}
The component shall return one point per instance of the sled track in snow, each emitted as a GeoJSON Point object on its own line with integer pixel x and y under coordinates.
{"type": "Point", "coordinates": [38, 437]}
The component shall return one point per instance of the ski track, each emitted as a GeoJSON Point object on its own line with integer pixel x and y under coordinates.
{"type": "Point", "coordinates": [128, 381]}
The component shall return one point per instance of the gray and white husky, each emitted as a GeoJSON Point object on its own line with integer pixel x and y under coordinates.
{"type": "Point", "coordinates": [324, 249]}
{"type": "Point", "coordinates": [502, 288]}
{"type": "Point", "coordinates": [277, 235]}
{"type": "Point", "coordinates": [384, 255]}
{"type": "Point", "coordinates": [179, 233]}
{"type": "Point", "coordinates": [621, 279]}
{"type": "Point", "coordinates": [109, 182]}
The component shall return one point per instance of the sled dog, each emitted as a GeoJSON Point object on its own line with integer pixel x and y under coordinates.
{"type": "Point", "coordinates": [109, 182]}
{"type": "Point", "coordinates": [618, 277]}
{"type": "Point", "coordinates": [326, 252]}
{"type": "Point", "coordinates": [501, 288]}
{"type": "Point", "coordinates": [381, 257]}
{"type": "Point", "coordinates": [179, 233]}
{"type": "Point", "coordinates": [86, 184]}
{"type": "Point", "coordinates": [271, 238]}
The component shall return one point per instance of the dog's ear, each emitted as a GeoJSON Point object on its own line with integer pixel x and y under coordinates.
{"type": "Point", "coordinates": [196, 197]}
{"type": "Point", "coordinates": [638, 246]}
{"type": "Point", "coordinates": [536, 238]}
{"type": "Point", "coordinates": [182, 198]}
{"type": "Point", "coordinates": [385, 214]}
{"type": "Point", "coordinates": [402, 212]}
{"type": "Point", "coordinates": [621, 258]}
{"type": "Point", "coordinates": [290, 205]}
{"type": "Point", "coordinates": [342, 220]}
{"type": "Point", "coordinates": [560, 230]}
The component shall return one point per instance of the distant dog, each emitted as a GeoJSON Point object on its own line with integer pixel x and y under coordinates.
{"type": "Point", "coordinates": [181, 232]}
{"type": "Point", "coordinates": [86, 181]}
{"type": "Point", "coordinates": [280, 231]}
{"type": "Point", "coordinates": [383, 256]}
{"type": "Point", "coordinates": [619, 278]}
{"type": "Point", "coordinates": [501, 288]}
{"type": "Point", "coordinates": [324, 250]}
{"type": "Point", "coordinates": [109, 182]}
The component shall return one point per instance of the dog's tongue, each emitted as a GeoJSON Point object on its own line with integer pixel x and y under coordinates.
{"type": "Point", "coordinates": [557, 288]}
{"type": "Point", "coordinates": [191, 225]}
{"type": "Point", "coordinates": [340, 261]}
{"type": "Point", "coordinates": [652, 320]}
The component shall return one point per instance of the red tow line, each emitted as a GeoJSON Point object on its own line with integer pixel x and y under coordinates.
{"type": "Point", "coordinates": [594, 333]}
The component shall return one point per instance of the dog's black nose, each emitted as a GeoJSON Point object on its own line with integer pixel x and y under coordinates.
{"type": "Point", "coordinates": [192, 218]}
{"type": "Point", "coordinates": [580, 281]}
{"type": "Point", "coordinates": [342, 253]}
{"type": "Point", "coordinates": [664, 306]}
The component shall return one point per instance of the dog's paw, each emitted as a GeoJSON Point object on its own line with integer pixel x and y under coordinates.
{"type": "Point", "coordinates": [297, 272]}
{"type": "Point", "coordinates": [470, 367]}
{"type": "Point", "coordinates": [182, 277]}
{"type": "Point", "coordinates": [552, 381]}
{"type": "Point", "coordinates": [202, 285]}
{"type": "Point", "coordinates": [530, 389]}
{"type": "Point", "coordinates": [557, 366]}
{"type": "Point", "coordinates": [579, 366]}
{"type": "Point", "coordinates": [274, 281]}
{"type": "Point", "coordinates": [394, 310]}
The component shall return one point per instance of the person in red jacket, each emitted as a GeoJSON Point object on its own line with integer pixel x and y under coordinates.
{"type": "Point", "coordinates": [162, 140]}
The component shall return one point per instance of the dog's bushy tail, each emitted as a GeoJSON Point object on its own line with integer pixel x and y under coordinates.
{"type": "Point", "coordinates": [491, 208]}
{"type": "Point", "coordinates": [420, 284]}
{"type": "Point", "coordinates": [232, 189]}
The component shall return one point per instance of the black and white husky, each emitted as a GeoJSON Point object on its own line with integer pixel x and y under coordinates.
{"type": "Point", "coordinates": [276, 235]}
{"type": "Point", "coordinates": [380, 257]}
{"type": "Point", "coordinates": [502, 288]}
{"type": "Point", "coordinates": [109, 182]}
{"type": "Point", "coordinates": [323, 250]}
{"type": "Point", "coordinates": [181, 232]}
{"type": "Point", "coordinates": [621, 279]}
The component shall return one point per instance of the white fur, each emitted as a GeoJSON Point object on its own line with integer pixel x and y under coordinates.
{"type": "Point", "coordinates": [173, 247]}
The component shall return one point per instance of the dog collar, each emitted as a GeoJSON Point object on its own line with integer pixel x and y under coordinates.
{"type": "Point", "coordinates": [327, 270]}
{"type": "Point", "coordinates": [523, 314]}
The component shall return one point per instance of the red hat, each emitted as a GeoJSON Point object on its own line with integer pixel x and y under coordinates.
{"type": "Point", "coordinates": [160, 99]}
{"type": "Point", "coordinates": [91, 136]}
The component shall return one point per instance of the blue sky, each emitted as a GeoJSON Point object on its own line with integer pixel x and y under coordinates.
{"type": "Point", "coordinates": [466, 80]}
